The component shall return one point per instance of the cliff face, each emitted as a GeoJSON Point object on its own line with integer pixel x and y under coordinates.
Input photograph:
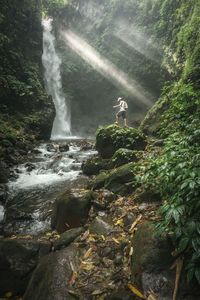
{"type": "Point", "coordinates": [25, 106]}
{"type": "Point", "coordinates": [178, 29]}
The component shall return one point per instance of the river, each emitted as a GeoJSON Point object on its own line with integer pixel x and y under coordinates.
{"type": "Point", "coordinates": [47, 173]}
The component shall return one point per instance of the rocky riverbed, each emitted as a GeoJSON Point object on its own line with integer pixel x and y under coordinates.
{"type": "Point", "coordinates": [68, 236]}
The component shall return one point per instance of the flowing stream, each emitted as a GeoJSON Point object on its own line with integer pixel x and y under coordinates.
{"type": "Point", "coordinates": [32, 194]}
{"type": "Point", "coordinates": [51, 62]}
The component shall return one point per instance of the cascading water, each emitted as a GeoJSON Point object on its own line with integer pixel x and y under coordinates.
{"type": "Point", "coordinates": [51, 62]}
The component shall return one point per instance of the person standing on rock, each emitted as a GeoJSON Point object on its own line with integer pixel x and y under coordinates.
{"type": "Point", "coordinates": [123, 106]}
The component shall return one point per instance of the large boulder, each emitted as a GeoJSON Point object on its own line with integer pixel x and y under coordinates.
{"type": "Point", "coordinates": [18, 259]}
{"type": "Point", "coordinates": [151, 265]}
{"type": "Point", "coordinates": [94, 165]}
{"type": "Point", "coordinates": [51, 278]}
{"type": "Point", "coordinates": [71, 209]}
{"type": "Point", "coordinates": [111, 138]}
{"type": "Point", "coordinates": [120, 180]}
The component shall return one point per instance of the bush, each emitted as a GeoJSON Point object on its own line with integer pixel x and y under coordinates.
{"type": "Point", "coordinates": [176, 175]}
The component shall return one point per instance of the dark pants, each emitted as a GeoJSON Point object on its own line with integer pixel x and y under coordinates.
{"type": "Point", "coordinates": [121, 114]}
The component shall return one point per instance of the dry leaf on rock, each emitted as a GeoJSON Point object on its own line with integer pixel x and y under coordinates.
{"type": "Point", "coordinates": [135, 291]}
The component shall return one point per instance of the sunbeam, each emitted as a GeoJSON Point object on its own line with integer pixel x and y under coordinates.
{"type": "Point", "coordinates": [137, 40]}
{"type": "Point", "coordinates": [105, 67]}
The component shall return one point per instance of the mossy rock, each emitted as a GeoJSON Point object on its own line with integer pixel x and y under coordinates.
{"type": "Point", "coordinates": [121, 180]}
{"type": "Point", "coordinates": [124, 156]}
{"type": "Point", "coordinates": [94, 165]}
{"type": "Point", "coordinates": [111, 138]}
{"type": "Point", "coordinates": [99, 181]}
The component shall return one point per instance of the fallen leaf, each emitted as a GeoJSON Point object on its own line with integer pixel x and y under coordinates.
{"type": "Point", "coordinates": [135, 291]}
{"type": "Point", "coordinates": [87, 253]}
{"type": "Point", "coordinates": [73, 278]}
{"type": "Point", "coordinates": [135, 223]}
{"type": "Point", "coordinates": [85, 235]}
{"type": "Point", "coordinates": [120, 222]}
{"type": "Point", "coordinates": [115, 240]}
{"type": "Point", "coordinates": [88, 266]}
{"type": "Point", "coordinates": [103, 237]}
{"type": "Point", "coordinates": [97, 292]}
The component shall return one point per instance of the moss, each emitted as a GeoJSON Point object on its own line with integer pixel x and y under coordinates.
{"type": "Point", "coordinates": [124, 156]}
{"type": "Point", "coordinates": [94, 165]}
{"type": "Point", "coordinates": [111, 138]}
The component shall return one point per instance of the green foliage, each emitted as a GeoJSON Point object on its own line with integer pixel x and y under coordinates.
{"type": "Point", "coordinates": [176, 175]}
{"type": "Point", "coordinates": [124, 156]}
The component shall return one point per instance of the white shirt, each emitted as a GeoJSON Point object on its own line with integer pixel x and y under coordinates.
{"type": "Point", "coordinates": [123, 106]}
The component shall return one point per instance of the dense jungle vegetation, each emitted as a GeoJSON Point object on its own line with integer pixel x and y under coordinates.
{"type": "Point", "coordinates": [167, 65]}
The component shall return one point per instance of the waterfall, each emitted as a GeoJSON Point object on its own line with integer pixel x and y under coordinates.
{"type": "Point", "coordinates": [51, 62]}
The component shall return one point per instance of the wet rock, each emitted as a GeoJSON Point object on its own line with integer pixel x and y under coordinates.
{"type": "Point", "coordinates": [151, 265]}
{"type": "Point", "coordinates": [36, 151]}
{"type": "Point", "coordinates": [152, 259]}
{"type": "Point", "coordinates": [4, 173]}
{"type": "Point", "coordinates": [50, 278]}
{"type": "Point", "coordinates": [147, 195]}
{"type": "Point", "coordinates": [18, 258]}
{"type": "Point", "coordinates": [71, 209]}
{"type": "Point", "coordinates": [30, 167]}
{"type": "Point", "coordinates": [52, 147]}
{"type": "Point", "coordinates": [68, 237]}
{"type": "Point", "coordinates": [111, 138]}
{"type": "Point", "coordinates": [101, 227]}
{"type": "Point", "coordinates": [118, 259]}
{"type": "Point", "coordinates": [63, 147]}
{"type": "Point", "coordinates": [3, 193]}
{"type": "Point", "coordinates": [86, 145]}
{"type": "Point", "coordinates": [129, 219]}
{"type": "Point", "coordinates": [94, 165]}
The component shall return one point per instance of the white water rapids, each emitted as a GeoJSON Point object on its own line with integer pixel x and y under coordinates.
{"type": "Point", "coordinates": [38, 183]}
{"type": "Point", "coordinates": [51, 62]}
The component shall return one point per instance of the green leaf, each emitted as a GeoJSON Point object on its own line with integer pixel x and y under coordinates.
{"type": "Point", "coordinates": [183, 244]}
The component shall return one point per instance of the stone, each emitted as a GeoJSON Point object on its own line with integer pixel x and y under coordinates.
{"type": "Point", "coordinates": [146, 195]}
{"type": "Point", "coordinates": [152, 260]}
{"type": "Point", "coordinates": [71, 209]}
{"type": "Point", "coordinates": [50, 279]}
{"type": "Point", "coordinates": [121, 180]}
{"type": "Point", "coordinates": [101, 227]}
{"type": "Point", "coordinates": [99, 181]}
{"type": "Point", "coordinates": [111, 138]}
{"type": "Point", "coordinates": [63, 147]}
{"type": "Point", "coordinates": [94, 165]}
{"type": "Point", "coordinates": [67, 237]}
{"type": "Point", "coordinates": [18, 258]}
